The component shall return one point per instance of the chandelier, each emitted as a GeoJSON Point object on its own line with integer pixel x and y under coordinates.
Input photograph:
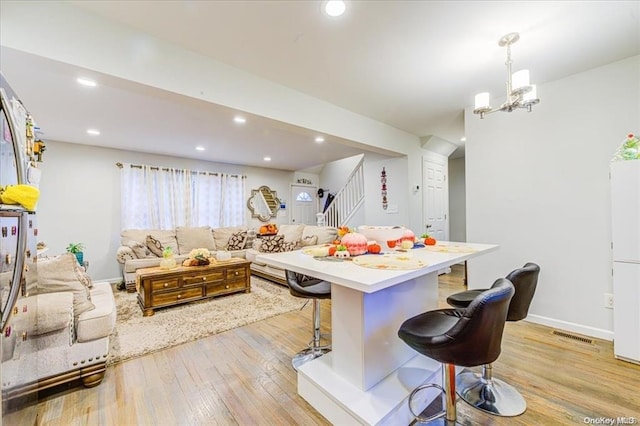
{"type": "Point", "coordinates": [520, 94]}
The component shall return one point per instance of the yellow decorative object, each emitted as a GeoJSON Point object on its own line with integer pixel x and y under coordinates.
{"type": "Point", "coordinates": [25, 195]}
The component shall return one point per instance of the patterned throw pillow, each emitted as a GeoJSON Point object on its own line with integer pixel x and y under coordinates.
{"type": "Point", "coordinates": [237, 241]}
{"type": "Point", "coordinates": [272, 244]}
{"type": "Point", "coordinates": [310, 240]}
{"type": "Point", "coordinates": [140, 250]}
{"type": "Point", "coordinates": [154, 245]}
{"type": "Point", "coordinates": [289, 246]}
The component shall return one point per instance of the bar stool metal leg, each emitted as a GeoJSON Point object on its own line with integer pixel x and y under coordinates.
{"type": "Point", "coordinates": [315, 349]}
{"type": "Point", "coordinates": [490, 395]}
{"type": "Point", "coordinates": [446, 417]}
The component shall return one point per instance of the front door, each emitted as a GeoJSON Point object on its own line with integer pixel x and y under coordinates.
{"type": "Point", "coordinates": [304, 204]}
{"type": "Point", "coordinates": [435, 197]}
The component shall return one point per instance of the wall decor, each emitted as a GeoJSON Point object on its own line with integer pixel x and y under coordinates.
{"type": "Point", "coordinates": [383, 180]}
{"type": "Point", "coordinates": [263, 203]}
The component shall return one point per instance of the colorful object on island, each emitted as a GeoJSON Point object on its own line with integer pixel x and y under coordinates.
{"type": "Point", "coordinates": [355, 243]}
{"type": "Point", "coordinates": [341, 252]}
{"type": "Point", "coordinates": [629, 150]}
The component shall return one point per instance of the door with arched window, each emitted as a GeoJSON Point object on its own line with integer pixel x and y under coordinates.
{"type": "Point", "coordinates": [304, 204]}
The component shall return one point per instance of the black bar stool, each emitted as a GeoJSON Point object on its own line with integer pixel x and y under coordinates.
{"type": "Point", "coordinates": [466, 337]}
{"type": "Point", "coordinates": [307, 287]}
{"type": "Point", "coordinates": [482, 391]}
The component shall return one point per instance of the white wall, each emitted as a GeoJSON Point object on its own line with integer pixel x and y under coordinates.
{"type": "Point", "coordinates": [397, 191]}
{"type": "Point", "coordinates": [538, 185]}
{"type": "Point", "coordinates": [457, 201]}
{"type": "Point", "coordinates": [80, 197]}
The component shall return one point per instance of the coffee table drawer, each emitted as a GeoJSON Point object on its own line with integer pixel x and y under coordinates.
{"type": "Point", "coordinates": [164, 284]}
{"type": "Point", "coordinates": [172, 297]}
{"type": "Point", "coordinates": [225, 287]}
{"type": "Point", "coordinates": [233, 273]}
{"type": "Point", "coordinates": [203, 278]}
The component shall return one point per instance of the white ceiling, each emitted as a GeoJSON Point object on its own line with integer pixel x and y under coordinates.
{"type": "Point", "coordinates": [414, 65]}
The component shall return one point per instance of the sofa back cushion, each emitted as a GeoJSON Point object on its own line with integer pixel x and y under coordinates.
{"type": "Point", "coordinates": [62, 273]}
{"type": "Point", "coordinates": [291, 233]}
{"type": "Point", "coordinates": [166, 238]}
{"type": "Point", "coordinates": [222, 235]}
{"type": "Point", "coordinates": [191, 238]}
{"type": "Point", "coordinates": [326, 234]}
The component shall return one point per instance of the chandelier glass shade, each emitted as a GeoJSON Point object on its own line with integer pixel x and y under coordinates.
{"type": "Point", "coordinates": [520, 92]}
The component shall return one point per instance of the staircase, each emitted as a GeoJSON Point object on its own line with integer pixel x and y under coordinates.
{"type": "Point", "coordinates": [347, 200]}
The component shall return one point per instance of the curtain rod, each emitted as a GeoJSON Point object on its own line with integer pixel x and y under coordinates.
{"type": "Point", "coordinates": [165, 169]}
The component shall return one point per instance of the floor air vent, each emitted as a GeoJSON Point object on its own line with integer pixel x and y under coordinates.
{"type": "Point", "coordinates": [573, 337]}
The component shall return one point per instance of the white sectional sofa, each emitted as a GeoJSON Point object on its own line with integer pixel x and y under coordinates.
{"type": "Point", "coordinates": [142, 248]}
{"type": "Point", "coordinates": [289, 237]}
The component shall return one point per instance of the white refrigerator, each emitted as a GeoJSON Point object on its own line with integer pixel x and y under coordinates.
{"type": "Point", "coordinates": [625, 216]}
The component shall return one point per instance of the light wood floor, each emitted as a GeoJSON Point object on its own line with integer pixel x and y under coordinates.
{"type": "Point", "coordinates": [244, 377]}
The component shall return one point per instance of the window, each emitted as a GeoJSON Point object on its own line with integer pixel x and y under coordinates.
{"type": "Point", "coordinates": [304, 196]}
{"type": "Point", "coordinates": [163, 198]}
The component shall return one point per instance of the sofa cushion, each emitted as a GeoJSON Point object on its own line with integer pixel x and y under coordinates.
{"type": "Point", "coordinates": [44, 313]}
{"type": "Point", "coordinates": [190, 238]}
{"type": "Point", "coordinates": [222, 235]}
{"type": "Point", "coordinates": [61, 273]}
{"type": "Point", "coordinates": [167, 237]}
{"type": "Point", "coordinates": [100, 321]}
{"type": "Point", "coordinates": [272, 244]}
{"type": "Point", "coordinates": [326, 234]}
{"type": "Point", "coordinates": [291, 233]}
{"type": "Point", "coordinates": [237, 241]}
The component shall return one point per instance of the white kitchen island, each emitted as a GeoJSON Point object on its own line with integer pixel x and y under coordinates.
{"type": "Point", "coordinates": [370, 372]}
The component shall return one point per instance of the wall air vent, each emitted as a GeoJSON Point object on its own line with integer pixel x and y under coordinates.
{"type": "Point", "coordinates": [572, 337]}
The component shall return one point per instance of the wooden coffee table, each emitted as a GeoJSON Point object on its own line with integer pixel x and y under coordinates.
{"type": "Point", "coordinates": [160, 288]}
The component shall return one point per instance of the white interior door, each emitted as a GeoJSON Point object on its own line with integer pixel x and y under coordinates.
{"type": "Point", "coordinates": [304, 204]}
{"type": "Point", "coordinates": [436, 196]}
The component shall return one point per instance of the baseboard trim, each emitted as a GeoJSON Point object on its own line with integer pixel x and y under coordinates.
{"type": "Point", "coordinates": [598, 333]}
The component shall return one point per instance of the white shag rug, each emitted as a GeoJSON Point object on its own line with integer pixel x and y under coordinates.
{"type": "Point", "coordinates": [135, 335]}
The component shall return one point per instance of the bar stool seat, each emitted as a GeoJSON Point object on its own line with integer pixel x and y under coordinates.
{"type": "Point", "coordinates": [466, 337]}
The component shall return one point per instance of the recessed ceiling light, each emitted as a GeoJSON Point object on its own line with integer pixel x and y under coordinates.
{"type": "Point", "coordinates": [267, 158]}
{"type": "Point", "coordinates": [463, 139]}
{"type": "Point", "coordinates": [335, 7]}
{"type": "Point", "coordinates": [319, 139]}
{"type": "Point", "coordinates": [239, 119]}
{"type": "Point", "coordinates": [199, 148]}
{"type": "Point", "coordinates": [86, 82]}
{"type": "Point", "coordinates": [93, 132]}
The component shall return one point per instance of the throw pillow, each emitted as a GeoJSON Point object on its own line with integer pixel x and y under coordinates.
{"type": "Point", "coordinates": [272, 244]}
{"type": "Point", "coordinates": [289, 245]}
{"type": "Point", "coordinates": [222, 235]}
{"type": "Point", "coordinates": [60, 273]}
{"type": "Point", "coordinates": [310, 240]}
{"type": "Point", "coordinates": [154, 245]}
{"type": "Point", "coordinates": [140, 250]}
{"type": "Point", "coordinates": [237, 241]}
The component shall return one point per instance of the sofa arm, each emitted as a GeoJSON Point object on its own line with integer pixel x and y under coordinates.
{"type": "Point", "coordinates": [124, 253]}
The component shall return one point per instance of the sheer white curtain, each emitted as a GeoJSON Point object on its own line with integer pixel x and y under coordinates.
{"type": "Point", "coordinates": [162, 198]}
